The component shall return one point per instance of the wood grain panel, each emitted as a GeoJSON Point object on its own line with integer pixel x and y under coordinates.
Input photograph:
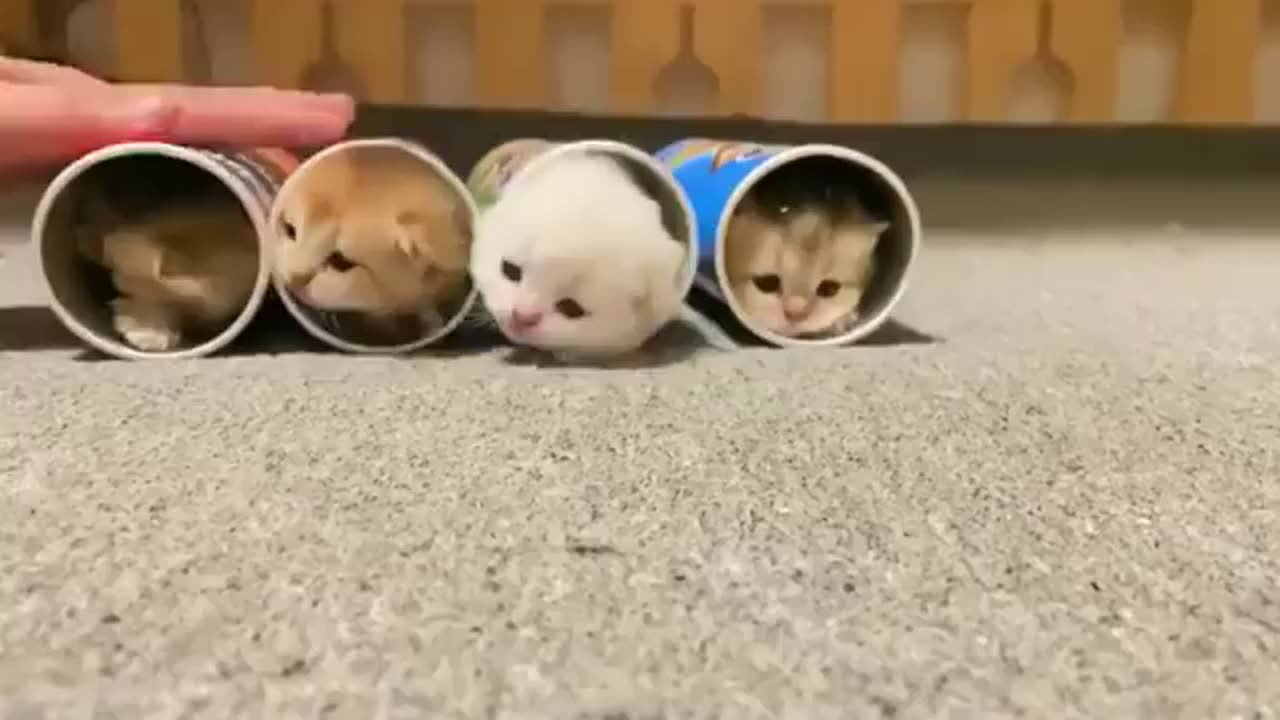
{"type": "Point", "coordinates": [286, 39]}
{"type": "Point", "coordinates": [371, 39]}
{"type": "Point", "coordinates": [1086, 35]}
{"type": "Point", "coordinates": [645, 37]}
{"type": "Point", "coordinates": [866, 45]}
{"type": "Point", "coordinates": [149, 38]}
{"type": "Point", "coordinates": [511, 55]}
{"type": "Point", "coordinates": [1002, 35]}
{"type": "Point", "coordinates": [726, 36]}
{"type": "Point", "coordinates": [1219, 64]}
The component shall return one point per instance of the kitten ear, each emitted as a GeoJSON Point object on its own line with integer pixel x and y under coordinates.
{"type": "Point", "coordinates": [873, 231]}
{"type": "Point", "coordinates": [411, 239]}
{"type": "Point", "coordinates": [747, 205]}
{"type": "Point", "coordinates": [318, 209]}
{"type": "Point", "coordinates": [166, 263]}
{"type": "Point", "coordinates": [170, 262]}
{"type": "Point", "coordinates": [878, 228]}
{"type": "Point", "coordinates": [418, 230]}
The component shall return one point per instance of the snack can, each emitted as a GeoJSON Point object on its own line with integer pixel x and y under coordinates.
{"type": "Point", "coordinates": [716, 174]}
{"type": "Point", "coordinates": [341, 330]}
{"type": "Point", "coordinates": [495, 169]}
{"type": "Point", "coordinates": [253, 176]}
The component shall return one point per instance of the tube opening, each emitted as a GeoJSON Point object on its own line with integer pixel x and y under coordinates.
{"type": "Point", "coordinates": [370, 241]}
{"type": "Point", "coordinates": [815, 247]}
{"type": "Point", "coordinates": [149, 252]}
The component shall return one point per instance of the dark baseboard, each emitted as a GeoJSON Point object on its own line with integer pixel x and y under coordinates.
{"type": "Point", "coordinates": [461, 136]}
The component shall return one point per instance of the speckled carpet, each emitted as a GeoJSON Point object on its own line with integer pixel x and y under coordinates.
{"type": "Point", "coordinates": [1066, 505]}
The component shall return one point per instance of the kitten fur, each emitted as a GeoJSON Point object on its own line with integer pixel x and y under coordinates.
{"type": "Point", "coordinates": [574, 259]}
{"type": "Point", "coordinates": [377, 242]}
{"type": "Point", "coordinates": [181, 271]}
{"type": "Point", "coordinates": [800, 254]}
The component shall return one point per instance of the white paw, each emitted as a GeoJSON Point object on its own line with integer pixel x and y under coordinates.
{"type": "Point", "coordinates": [152, 339]}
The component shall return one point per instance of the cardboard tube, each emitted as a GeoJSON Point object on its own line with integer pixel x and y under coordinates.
{"type": "Point", "coordinates": [311, 318]}
{"type": "Point", "coordinates": [503, 167]}
{"type": "Point", "coordinates": [717, 174]}
{"type": "Point", "coordinates": [151, 171]}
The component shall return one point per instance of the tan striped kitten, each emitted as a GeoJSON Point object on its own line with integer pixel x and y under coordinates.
{"type": "Point", "coordinates": [800, 255]}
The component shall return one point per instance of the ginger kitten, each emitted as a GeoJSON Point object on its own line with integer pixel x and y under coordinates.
{"type": "Point", "coordinates": [800, 254]}
{"type": "Point", "coordinates": [183, 272]}
{"type": "Point", "coordinates": [375, 241]}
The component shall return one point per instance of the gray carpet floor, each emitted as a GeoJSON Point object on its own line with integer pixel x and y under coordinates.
{"type": "Point", "coordinates": [1067, 505]}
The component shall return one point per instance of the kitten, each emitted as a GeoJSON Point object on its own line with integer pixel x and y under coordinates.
{"type": "Point", "coordinates": [182, 272]}
{"type": "Point", "coordinates": [575, 260]}
{"type": "Point", "coordinates": [800, 253]}
{"type": "Point", "coordinates": [377, 242]}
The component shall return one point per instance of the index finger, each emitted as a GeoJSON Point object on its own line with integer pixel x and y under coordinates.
{"type": "Point", "coordinates": [250, 115]}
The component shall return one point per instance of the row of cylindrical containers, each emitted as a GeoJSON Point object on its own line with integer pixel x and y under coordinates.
{"type": "Point", "coordinates": [700, 182]}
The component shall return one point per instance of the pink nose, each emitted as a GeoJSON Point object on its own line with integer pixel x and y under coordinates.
{"type": "Point", "coordinates": [795, 314]}
{"type": "Point", "coordinates": [524, 319]}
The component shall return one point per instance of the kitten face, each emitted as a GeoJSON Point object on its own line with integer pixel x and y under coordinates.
{"type": "Point", "coordinates": [578, 261]}
{"type": "Point", "coordinates": [800, 273]}
{"type": "Point", "coordinates": [199, 260]}
{"type": "Point", "coordinates": [372, 233]}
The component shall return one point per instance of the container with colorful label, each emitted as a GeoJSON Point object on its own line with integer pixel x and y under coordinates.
{"type": "Point", "coordinates": [717, 174]}
{"type": "Point", "coordinates": [133, 179]}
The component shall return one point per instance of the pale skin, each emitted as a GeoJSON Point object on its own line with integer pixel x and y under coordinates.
{"type": "Point", "coordinates": [51, 114]}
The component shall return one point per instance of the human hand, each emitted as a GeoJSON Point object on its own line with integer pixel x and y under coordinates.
{"type": "Point", "coordinates": [50, 114]}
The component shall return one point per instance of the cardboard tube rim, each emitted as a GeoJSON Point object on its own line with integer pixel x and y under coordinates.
{"type": "Point", "coordinates": [863, 328]}
{"type": "Point", "coordinates": [299, 312]}
{"type": "Point", "coordinates": [193, 156]}
{"type": "Point", "coordinates": [647, 161]}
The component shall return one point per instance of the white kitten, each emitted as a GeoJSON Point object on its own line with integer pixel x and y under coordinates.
{"type": "Point", "coordinates": [574, 259]}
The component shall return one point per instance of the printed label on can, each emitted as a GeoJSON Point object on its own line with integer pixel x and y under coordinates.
{"type": "Point", "coordinates": [717, 154]}
{"type": "Point", "coordinates": [491, 175]}
{"type": "Point", "coordinates": [710, 170]}
{"type": "Point", "coordinates": [262, 171]}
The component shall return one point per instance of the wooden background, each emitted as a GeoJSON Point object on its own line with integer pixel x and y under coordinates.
{"type": "Point", "coordinates": [848, 61]}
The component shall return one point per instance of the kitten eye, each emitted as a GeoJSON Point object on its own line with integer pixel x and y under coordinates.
{"type": "Point", "coordinates": [339, 262]}
{"type": "Point", "coordinates": [290, 231]}
{"type": "Point", "coordinates": [767, 284]}
{"type": "Point", "coordinates": [828, 288]}
{"type": "Point", "coordinates": [511, 271]}
{"type": "Point", "coordinates": [570, 308]}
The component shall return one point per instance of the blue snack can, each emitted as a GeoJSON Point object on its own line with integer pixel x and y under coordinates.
{"type": "Point", "coordinates": [718, 174]}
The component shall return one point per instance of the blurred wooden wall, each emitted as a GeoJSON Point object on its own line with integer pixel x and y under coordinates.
{"type": "Point", "coordinates": [1073, 46]}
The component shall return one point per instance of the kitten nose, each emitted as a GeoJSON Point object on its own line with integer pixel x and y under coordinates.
{"type": "Point", "coordinates": [795, 313]}
{"type": "Point", "coordinates": [525, 319]}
